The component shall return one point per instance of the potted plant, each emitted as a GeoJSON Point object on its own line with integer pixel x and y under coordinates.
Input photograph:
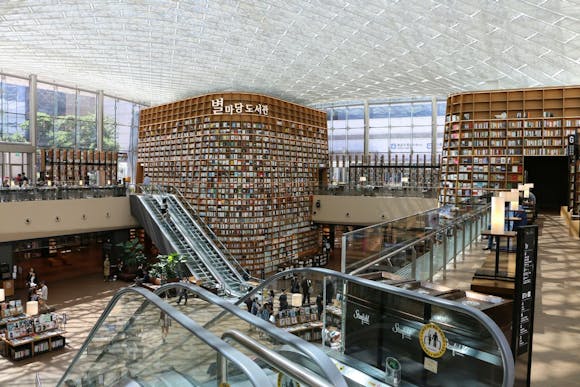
{"type": "Point", "coordinates": [131, 257]}
{"type": "Point", "coordinates": [168, 268]}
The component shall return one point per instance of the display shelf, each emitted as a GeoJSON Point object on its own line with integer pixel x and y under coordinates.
{"type": "Point", "coordinates": [302, 322]}
{"type": "Point", "coordinates": [488, 134]}
{"type": "Point", "coordinates": [70, 166]}
{"type": "Point", "coordinates": [248, 164]}
{"type": "Point", "coordinates": [11, 311]}
{"type": "Point", "coordinates": [31, 336]}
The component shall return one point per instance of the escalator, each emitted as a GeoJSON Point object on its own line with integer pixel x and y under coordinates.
{"type": "Point", "coordinates": [178, 231]}
{"type": "Point", "coordinates": [145, 339]}
{"type": "Point", "coordinates": [142, 340]}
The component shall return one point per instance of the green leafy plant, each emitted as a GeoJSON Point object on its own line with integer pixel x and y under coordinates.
{"type": "Point", "coordinates": [132, 254]}
{"type": "Point", "coordinates": [168, 266]}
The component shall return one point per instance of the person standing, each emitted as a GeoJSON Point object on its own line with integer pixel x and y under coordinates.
{"type": "Point", "coordinates": [147, 180]}
{"type": "Point", "coordinates": [163, 207]}
{"type": "Point", "coordinates": [106, 268]}
{"type": "Point", "coordinates": [305, 291]}
{"type": "Point", "coordinates": [43, 296]}
{"type": "Point", "coordinates": [183, 293]}
{"type": "Point", "coordinates": [165, 323]}
{"type": "Point", "coordinates": [283, 300]}
{"type": "Point", "coordinates": [32, 279]}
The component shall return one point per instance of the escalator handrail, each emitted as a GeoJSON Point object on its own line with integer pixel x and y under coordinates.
{"type": "Point", "coordinates": [478, 315]}
{"type": "Point", "coordinates": [332, 373]}
{"type": "Point", "coordinates": [168, 235]}
{"type": "Point", "coordinates": [254, 373]}
{"type": "Point", "coordinates": [274, 359]}
{"type": "Point", "coordinates": [221, 249]}
{"type": "Point", "coordinates": [210, 268]}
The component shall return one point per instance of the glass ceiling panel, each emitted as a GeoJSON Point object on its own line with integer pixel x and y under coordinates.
{"type": "Point", "coordinates": [306, 51]}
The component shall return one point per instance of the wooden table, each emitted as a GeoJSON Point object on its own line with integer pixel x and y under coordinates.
{"type": "Point", "coordinates": [506, 234]}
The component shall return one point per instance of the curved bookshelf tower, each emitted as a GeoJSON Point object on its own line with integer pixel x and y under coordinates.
{"type": "Point", "coordinates": [489, 133]}
{"type": "Point", "coordinates": [249, 164]}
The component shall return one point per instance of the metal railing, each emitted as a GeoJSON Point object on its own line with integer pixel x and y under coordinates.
{"type": "Point", "coordinates": [427, 242]}
{"type": "Point", "coordinates": [274, 359]}
{"type": "Point", "coordinates": [60, 193]}
{"type": "Point", "coordinates": [396, 296]}
{"type": "Point", "coordinates": [386, 191]}
{"type": "Point", "coordinates": [453, 237]}
{"type": "Point", "coordinates": [254, 373]}
{"type": "Point", "coordinates": [315, 354]}
{"type": "Point", "coordinates": [203, 227]}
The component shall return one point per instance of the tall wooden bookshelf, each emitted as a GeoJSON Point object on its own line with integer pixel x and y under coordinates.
{"type": "Point", "coordinates": [248, 163]}
{"type": "Point", "coordinates": [488, 134]}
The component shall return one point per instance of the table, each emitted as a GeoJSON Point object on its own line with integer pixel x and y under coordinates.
{"type": "Point", "coordinates": [507, 234]}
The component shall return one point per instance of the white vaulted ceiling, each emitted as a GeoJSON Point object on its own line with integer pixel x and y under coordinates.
{"type": "Point", "coordinates": [307, 51]}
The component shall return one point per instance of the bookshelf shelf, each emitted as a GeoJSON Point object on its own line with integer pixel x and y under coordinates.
{"type": "Point", "coordinates": [488, 134]}
{"type": "Point", "coordinates": [70, 166]}
{"type": "Point", "coordinates": [248, 163]}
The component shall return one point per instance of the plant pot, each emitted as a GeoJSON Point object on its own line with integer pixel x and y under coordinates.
{"type": "Point", "coordinates": [156, 281]}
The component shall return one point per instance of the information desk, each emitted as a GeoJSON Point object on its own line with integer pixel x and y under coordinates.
{"type": "Point", "coordinates": [497, 236]}
{"type": "Point", "coordinates": [28, 346]}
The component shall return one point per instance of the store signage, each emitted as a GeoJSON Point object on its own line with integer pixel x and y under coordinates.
{"type": "Point", "coordinates": [525, 288]}
{"type": "Point", "coordinates": [432, 340]}
{"type": "Point", "coordinates": [237, 108]}
{"type": "Point", "coordinates": [405, 332]}
{"type": "Point", "coordinates": [457, 349]}
{"type": "Point", "coordinates": [571, 149]}
{"type": "Point", "coordinates": [524, 304]}
{"type": "Point", "coordinates": [362, 317]}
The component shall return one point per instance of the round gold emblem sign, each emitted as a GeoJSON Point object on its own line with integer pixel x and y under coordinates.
{"type": "Point", "coordinates": [432, 340]}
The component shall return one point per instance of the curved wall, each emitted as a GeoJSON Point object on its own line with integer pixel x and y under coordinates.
{"type": "Point", "coordinates": [248, 163]}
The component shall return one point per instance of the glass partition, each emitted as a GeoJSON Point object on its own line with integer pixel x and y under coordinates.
{"type": "Point", "coordinates": [414, 247]}
{"type": "Point", "coordinates": [258, 320]}
{"type": "Point", "coordinates": [142, 340]}
{"type": "Point", "coordinates": [373, 326]}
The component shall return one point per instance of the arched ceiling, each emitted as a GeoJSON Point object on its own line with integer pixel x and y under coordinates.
{"type": "Point", "coordinates": [306, 51]}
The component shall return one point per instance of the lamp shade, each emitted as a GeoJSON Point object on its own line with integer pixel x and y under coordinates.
{"type": "Point", "coordinates": [514, 199]}
{"type": "Point", "coordinates": [2, 295]}
{"type": "Point", "coordinates": [497, 215]}
{"type": "Point", "coordinates": [32, 308]}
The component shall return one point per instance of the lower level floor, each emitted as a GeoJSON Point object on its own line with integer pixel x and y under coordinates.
{"type": "Point", "coordinates": [556, 336]}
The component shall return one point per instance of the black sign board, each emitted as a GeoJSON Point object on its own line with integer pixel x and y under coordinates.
{"type": "Point", "coordinates": [524, 302]}
{"type": "Point", "coordinates": [571, 149]}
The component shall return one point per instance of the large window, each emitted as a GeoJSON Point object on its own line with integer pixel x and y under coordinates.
{"type": "Point", "coordinates": [120, 126]}
{"type": "Point", "coordinates": [120, 118]}
{"type": "Point", "coordinates": [66, 118]}
{"type": "Point", "coordinates": [14, 110]}
{"type": "Point", "coordinates": [396, 130]}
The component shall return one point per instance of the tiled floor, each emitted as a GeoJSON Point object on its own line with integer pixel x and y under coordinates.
{"type": "Point", "coordinates": [556, 345]}
{"type": "Point", "coordinates": [556, 355]}
{"type": "Point", "coordinates": [83, 300]}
